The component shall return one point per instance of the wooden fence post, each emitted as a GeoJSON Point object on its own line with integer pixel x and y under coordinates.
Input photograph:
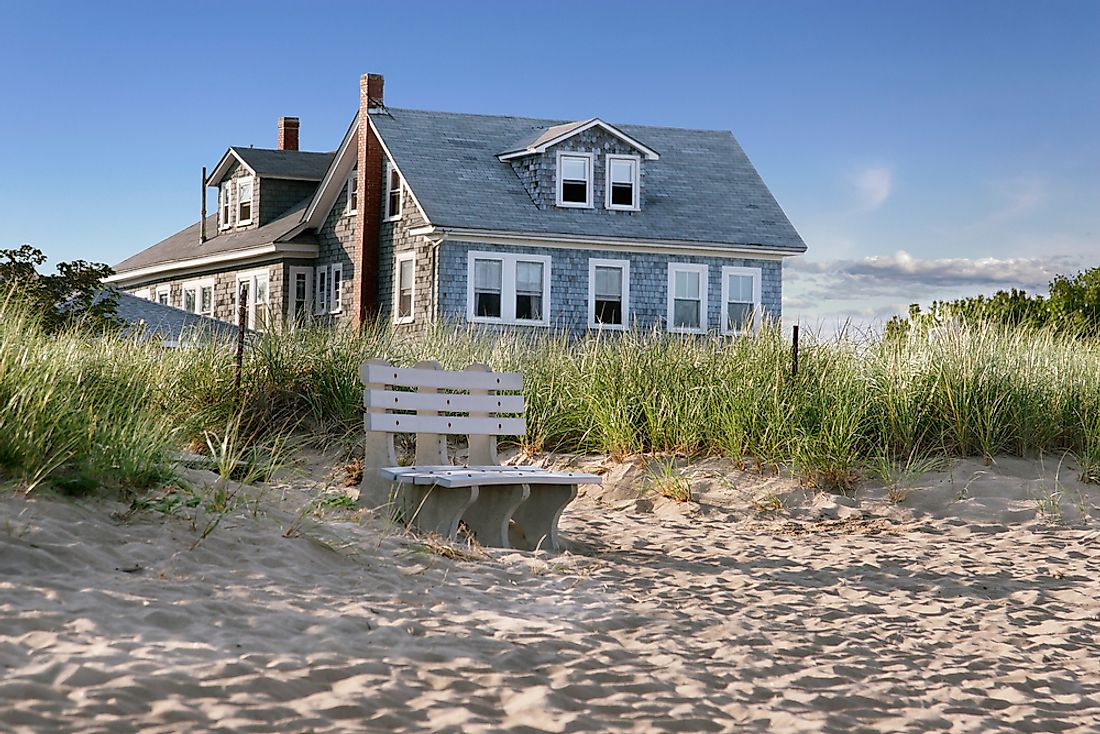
{"type": "Point", "coordinates": [794, 353]}
{"type": "Point", "coordinates": [242, 318]}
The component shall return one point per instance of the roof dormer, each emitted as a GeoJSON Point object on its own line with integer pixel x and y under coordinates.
{"type": "Point", "coordinates": [258, 185]}
{"type": "Point", "coordinates": [581, 165]}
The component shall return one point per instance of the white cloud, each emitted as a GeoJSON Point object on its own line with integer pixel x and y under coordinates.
{"type": "Point", "coordinates": [880, 273]}
{"type": "Point", "coordinates": [873, 186]}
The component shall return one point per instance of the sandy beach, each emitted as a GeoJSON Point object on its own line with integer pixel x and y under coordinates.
{"type": "Point", "coordinates": [965, 599]}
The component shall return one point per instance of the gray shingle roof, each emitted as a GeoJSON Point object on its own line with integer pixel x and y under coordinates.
{"type": "Point", "coordinates": [703, 188]}
{"type": "Point", "coordinates": [152, 320]}
{"type": "Point", "coordinates": [293, 164]}
{"type": "Point", "coordinates": [184, 245]}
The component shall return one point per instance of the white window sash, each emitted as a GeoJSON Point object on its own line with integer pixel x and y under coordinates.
{"type": "Point", "coordinates": [320, 290]}
{"type": "Point", "coordinates": [292, 291]}
{"type": "Point", "coordinates": [251, 200]}
{"type": "Point", "coordinates": [390, 170]}
{"type": "Point", "coordinates": [350, 207]}
{"type": "Point", "coordinates": [756, 275]}
{"type": "Point", "coordinates": [670, 319]}
{"type": "Point", "coordinates": [624, 267]}
{"type": "Point", "coordinates": [508, 288]}
{"type": "Point", "coordinates": [336, 288]}
{"type": "Point", "coordinates": [635, 182]}
{"type": "Point", "coordinates": [254, 306]}
{"type": "Point", "coordinates": [195, 288]}
{"type": "Point", "coordinates": [401, 259]}
{"type": "Point", "coordinates": [226, 204]}
{"type": "Point", "coordinates": [559, 175]}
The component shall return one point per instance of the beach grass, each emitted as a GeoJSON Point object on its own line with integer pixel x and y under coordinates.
{"type": "Point", "coordinates": [79, 411]}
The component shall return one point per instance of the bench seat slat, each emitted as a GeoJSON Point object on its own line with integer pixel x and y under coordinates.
{"type": "Point", "coordinates": [440, 379]}
{"type": "Point", "coordinates": [453, 478]}
{"type": "Point", "coordinates": [443, 402]}
{"type": "Point", "coordinates": [391, 472]}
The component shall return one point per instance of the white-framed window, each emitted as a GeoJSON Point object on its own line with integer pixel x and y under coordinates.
{"type": "Point", "coordinates": [608, 294]}
{"type": "Point", "coordinates": [301, 293]}
{"type": "Point", "coordinates": [352, 193]}
{"type": "Point", "coordinates": [622, 182]}
{"type": "Point", "coordinates": [244, 200]}
{"type": "Point", "coordinates": [336, 271]}
{"type": "Point", "coordinates": [508, 289]}
{"type": "Point", "coordinates": [404, 287]}
{"type": "Point", "coordinates": [320, 289]}
{"type": "Point", "coordinates": [574, 180]}
{"type": "Point", "coordinates": [393, 193]}
{"type": "Point", "coordinates": [741, 308]}
{"type": "Point", "coordinates": [198, 297]}
{"type": "Point", "coordinates": [687, 298]}
{"type": "Point", "coordinates": [253, 287]}
{"type": "Point", "coordinates": [163, 295]}
{"type": "Point", "coordinates": [225, 195]}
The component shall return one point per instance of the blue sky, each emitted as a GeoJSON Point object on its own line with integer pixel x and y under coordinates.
{"type": "Point", "coordinates": [922, 149]}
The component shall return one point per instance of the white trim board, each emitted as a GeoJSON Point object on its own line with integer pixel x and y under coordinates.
{"type": "Point", "coordinates": [577, 242]}
{"type": "Point", "coordinates": [650, 154]}
{"type": "Point", "coordinates": [182, 267]}
{"type": "Point", "coordinates": [624, 266]}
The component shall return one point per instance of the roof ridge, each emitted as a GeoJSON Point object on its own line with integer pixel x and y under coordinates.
{"type": "Point", "coordinates": [553, 121]}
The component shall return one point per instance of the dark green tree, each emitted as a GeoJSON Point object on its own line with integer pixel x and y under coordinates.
{"type": "Point", "coordinates": [73, 297]}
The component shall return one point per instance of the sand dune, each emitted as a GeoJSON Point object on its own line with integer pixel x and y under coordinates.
{"type": "Point", "coordinates": [761, 606]}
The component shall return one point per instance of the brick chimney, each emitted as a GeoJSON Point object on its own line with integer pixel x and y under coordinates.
{"type": "Point", "coordinates": [288, 133]}
{"type": "Point", "coordinates": [370, 201]}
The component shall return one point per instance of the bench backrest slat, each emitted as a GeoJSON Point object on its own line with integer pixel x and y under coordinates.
{"type": "Point", "coordinates": [439, 379]}
{"type": "Point", "coordinates": [443, 402]}
{"type": "Point", "coordinates": [451, 425]}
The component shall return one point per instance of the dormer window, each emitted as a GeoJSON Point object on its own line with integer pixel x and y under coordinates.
{"type": "Point", "coordinates": [393, 193]}
{"type": "Point", "coordinates": [244, 201]}
{"type": "Point", "coordinates": [622, 182]}
{"type": "Point", "coordinates": [575, 180]}
{"type": "Point", "coordinates": [353, 193]}
{"type": "Point", "coordinates": [227, 207]}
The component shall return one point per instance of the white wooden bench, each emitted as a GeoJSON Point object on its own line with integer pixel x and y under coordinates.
{"type": "Point", "coordinates": [504, 506]}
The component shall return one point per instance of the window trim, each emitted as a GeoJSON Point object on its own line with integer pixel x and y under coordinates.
{"type": "Point", "coordinates": [704, 287]}
{"type": "Point", "coordinates": [757, 275]}
{"type": "Point", "coordinates": [292, 271]}
{"type": "Point", "coordinates": [560, 180]}
{"type": "Point", "coordinates": [400, 258]}
{"type": "Point", "coordinates": [167, 291]}
{"type": "Point", "coordinates": [251, 200]}
{"type": "Point", "coordinates": [624, 265]}
{"type": "Point", "coordinates": [637, 183]}
{"type": "Point", "coordinates": [197, 285]}
{"type": "Point", "coordinates": [320, 289]}
{"type": "Point", "coordinates": [336, 295]}
{"type": "Point", "coordinates": [390, 170]}
{"type": "Point", "coordinates": [508, 262]}
{"type": "Point", "coordinates": [225, 207]}
{"type": "Point", "coordinates": [252, 276]}
{"type": "Point", "coordinates": [351, 188]}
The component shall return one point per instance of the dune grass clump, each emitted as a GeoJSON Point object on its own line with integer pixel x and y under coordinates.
{"type": "Point", "coordinates": [78, 412]}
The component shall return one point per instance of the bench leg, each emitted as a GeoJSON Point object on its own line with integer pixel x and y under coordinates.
{"type": "Point", "coordinates": [537, 518]}
{"type": "Point", "coordinates": [434, 509]}
{"type": "Point", "coordinates": [489, 515]}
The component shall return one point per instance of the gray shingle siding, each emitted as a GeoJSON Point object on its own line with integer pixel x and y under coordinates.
{"type": "Point", "coordinates": [339, 244]}
{"type": "Point", "coordinates": [276, 196]}
{"type": "Point", "coordinates": [569, 283]}
{"type": "Point", "coordinates": [396, 238]}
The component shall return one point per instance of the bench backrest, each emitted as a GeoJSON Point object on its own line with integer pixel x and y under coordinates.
{"type": "Point", "coordinates": [471, 404]}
